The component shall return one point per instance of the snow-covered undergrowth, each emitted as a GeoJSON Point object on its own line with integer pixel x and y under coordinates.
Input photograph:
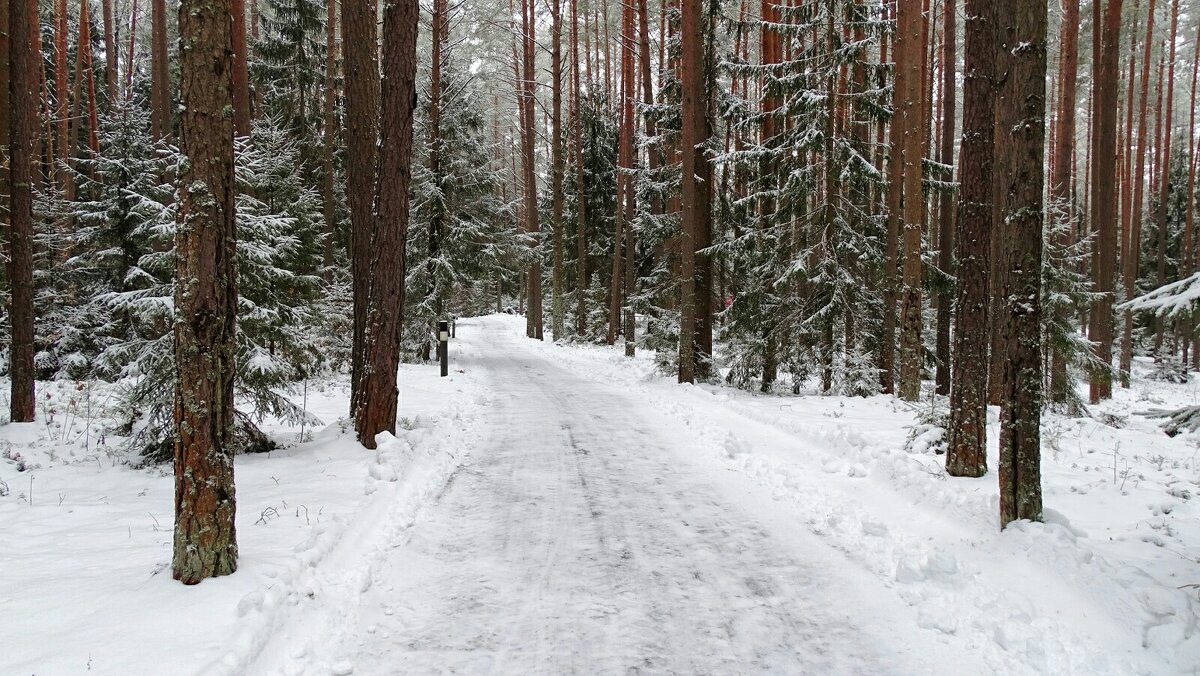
{"type": "Point", "coordinates": [85, 546]}
{"type": "Point", "coordinates": [1106, 585]}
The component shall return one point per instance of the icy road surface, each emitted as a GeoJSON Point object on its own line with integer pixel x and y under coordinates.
{"type": "Point", "coordinates": [580, 537]}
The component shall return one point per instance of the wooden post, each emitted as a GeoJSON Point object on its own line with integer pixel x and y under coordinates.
{"type": "Point", "coordinates": [443, 346]}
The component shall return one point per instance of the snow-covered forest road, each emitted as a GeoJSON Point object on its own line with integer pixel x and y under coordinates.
{"type": "Point", "coordinates": [580, 538]}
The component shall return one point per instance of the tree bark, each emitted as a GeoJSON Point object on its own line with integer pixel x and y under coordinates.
{"type": "Point", "coordinates": [398, 96]}
{"type": "Point", "coordinates": [1061, 172]}
{"type": "Point", "coordinates": [360, 40]}
{"type": "Point", "coordinates": [558, 307]}
{"type": "Point", "coordinates": [160, 75]}
{"type": "Point", "coordinates": [946, 207]}
{"type": "Point", "coordinates": [22, 130]}
{"type": "Point", "coordinates": [966, 454]}
{"type": "Point", "coordinates": [891, 261]}
{"type": "Point", "coordinates": [110, 53]}
{"type": "Point", "coordinates": [62, 114]}
{"type": "Point", "coordinates": [329, 145]}
{"type": "Point", "coordinates": [910, 53]}
{"type": "Point", "coordinates": [581, 271]}
{"type": "Point", "coordinates": [1104, 198]}
{"type": "Point", "coordinates": [625, 148]}
{"type": "Point", "coordinates": [1164, 190]}
{"type": "Point", "coordinates": [1021, 118]}
{"type": "Point", "coordinates": [241, 76]}
{"type": "Point", "coordinates": [533, 318]}
{"type": "Point", "coordinates": [696, 216]}
{"type": "Point", "coordinates": [205, 299]}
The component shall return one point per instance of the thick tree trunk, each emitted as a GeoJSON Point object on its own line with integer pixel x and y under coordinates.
{"type": "Point", "coordinates": [205, 300]}
{"type": "Point", "coordinates": [160, 75]}
{"type": "Point", "coordinates": [1021, 117]}
{"type": "Point", "coordinates": [360, 41]}
{"type": "Point", "coordinates": [910, 57]}
{"type": "Point", "coordinates": [891, 261]}
{"type": "Point", "coordinates": [378, 392]}
{"type": "Point", "coordinates": [946, 208]}
{"type": "Point", "coordinates": [625, 160]}
{"type": "Point", "coordinates": [1061, 172]}
{"type": "Point", "coordinates": [22, 130]}
{"type": "Point", "coordinates": [966, 454]}
{"type": "Point", "coordinates": [1104, 198]}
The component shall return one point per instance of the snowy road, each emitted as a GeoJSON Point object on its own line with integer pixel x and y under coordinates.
{"type": "Point", "coordinates": [580, 537]}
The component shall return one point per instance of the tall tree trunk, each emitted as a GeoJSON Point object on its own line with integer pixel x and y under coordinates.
{"type": "Point", "coordinates": [910, 60]}
{"type": "Point", "coordinates": [205, 300]}
{"type": "Point", "coordinates": [1164, 191]}
{"type": "Point", "coordinates": [437, 41]}
{"type": "Point", "coordinates": [241, 76]}
{"type": "Point", "coordinates": [1187, 260]}
{"type": "Point", "coordinates": [360, 40]}
{"type": "Point", "coordinates": [22, 130]}
{"type": "Point", "coordinates": [771, 54]}
{"type": "Point", "coordinates": [696, 216]}
{"type": "Point", "coordinates": [62, 110]}
{"type": "Point", "coordinates": [133, 15]}
{"type": "Point", "coordinates": [625, 160]}
{"type": "Point", "coordinates": [110, 53]}
{"type": "Point", "coordinates": [895, 180]}
{"type": "Point", "coordinates": [1061, 172]}
{"type": "Point", "coordinates": [966, 454]}
{"type": "Point", "coordinates": [398, 95]}
{"type": "Point", "coordinates": [533, 318]}
{"type": "Point", "coordinates": [160, 75]}
{"type": "Point", "coordinates": [329, 131]}
{"type": "Point", "coordinates": [581, 271]}
{"type": "Point", "coordinates": [558, 308]}
{"type": "Point", "coordinates": [1021, 117]}
{"type": "Point", "coordinates": [946, 208]}
{"type": "Point", "coordinates": [1131, 249]}
{"type": "Point", "coordinates": [1104, 198]}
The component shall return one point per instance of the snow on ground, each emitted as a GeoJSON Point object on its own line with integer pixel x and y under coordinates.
{"type": "Point", "coordinates": [85, 554]}
{"type": "Point", "coordinates": [553, 508]}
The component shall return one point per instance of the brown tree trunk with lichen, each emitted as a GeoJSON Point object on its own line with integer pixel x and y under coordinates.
{"type": "Point", "coordinates": [361, 63]}
{"type": "Point", "coordinates": [205, 300]}
{"type": "Point", "coordinates": [379, 395]}
{"type": "Point", "coordinates": [910, 59]}
{"type": "Point", "coordinates": [21, 131]}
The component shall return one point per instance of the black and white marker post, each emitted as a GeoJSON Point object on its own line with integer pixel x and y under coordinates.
{"type": "Point", "coordinates": [443, 346]}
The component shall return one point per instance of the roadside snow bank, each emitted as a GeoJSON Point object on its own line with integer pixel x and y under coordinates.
{"type": "Point", "coordinates": [87, 560]}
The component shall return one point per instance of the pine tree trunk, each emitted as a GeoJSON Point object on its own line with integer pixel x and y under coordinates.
{"type": "Point", "coordinates": [695, 216]}
{"type": "Point", "coordinates": [558, 307]}
{"type": "Point", "coordinates": [329, 144]}
{"type": "Point", "coordinates": [160, 75]}
{"type": "Point", "coordinates": [361, 58]}
{"type": "Point", "coordinates": [910, 59]}
{"type": "Point", "coordinates": [1021, 117]}
{"type": "Point", "coordinates": [1164, 191]}
{"type": "Point", "coordinates": [625, 160]}
{"type": "Point", "coordinates": [1187, 259]}
{"type": "Point", "coordinates": [946, 207]}
{"type": "Point", "coordinates": [205, 300]}
{"type": "Point", "coordinates": [1104, 198]}
{"type": "Point", "coordinates": [533, 319]}
{"type": "Point", "coordinates": [62, 110]}
{"type": "Point", "coordinates": [110, 53]}
{"type": "Point", "coordinates": [241, 76]}
{"type": "Point", "coordinates": [966, 454]}
{"type": "Point", "coordinates": [891, 262]}
{"type": "Point", "coordinates": [22, 129]}
{"type": "Point", "coordinates": [133, 15]}
{"type": "Point", "coordinates": [1061, 172]}
{"type": "Point", "coordinates": [581, 271]}
{"type": "Point", "coordinates": [378, 392]}
{"type": "Point", "coordinates": [1132, 244]}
